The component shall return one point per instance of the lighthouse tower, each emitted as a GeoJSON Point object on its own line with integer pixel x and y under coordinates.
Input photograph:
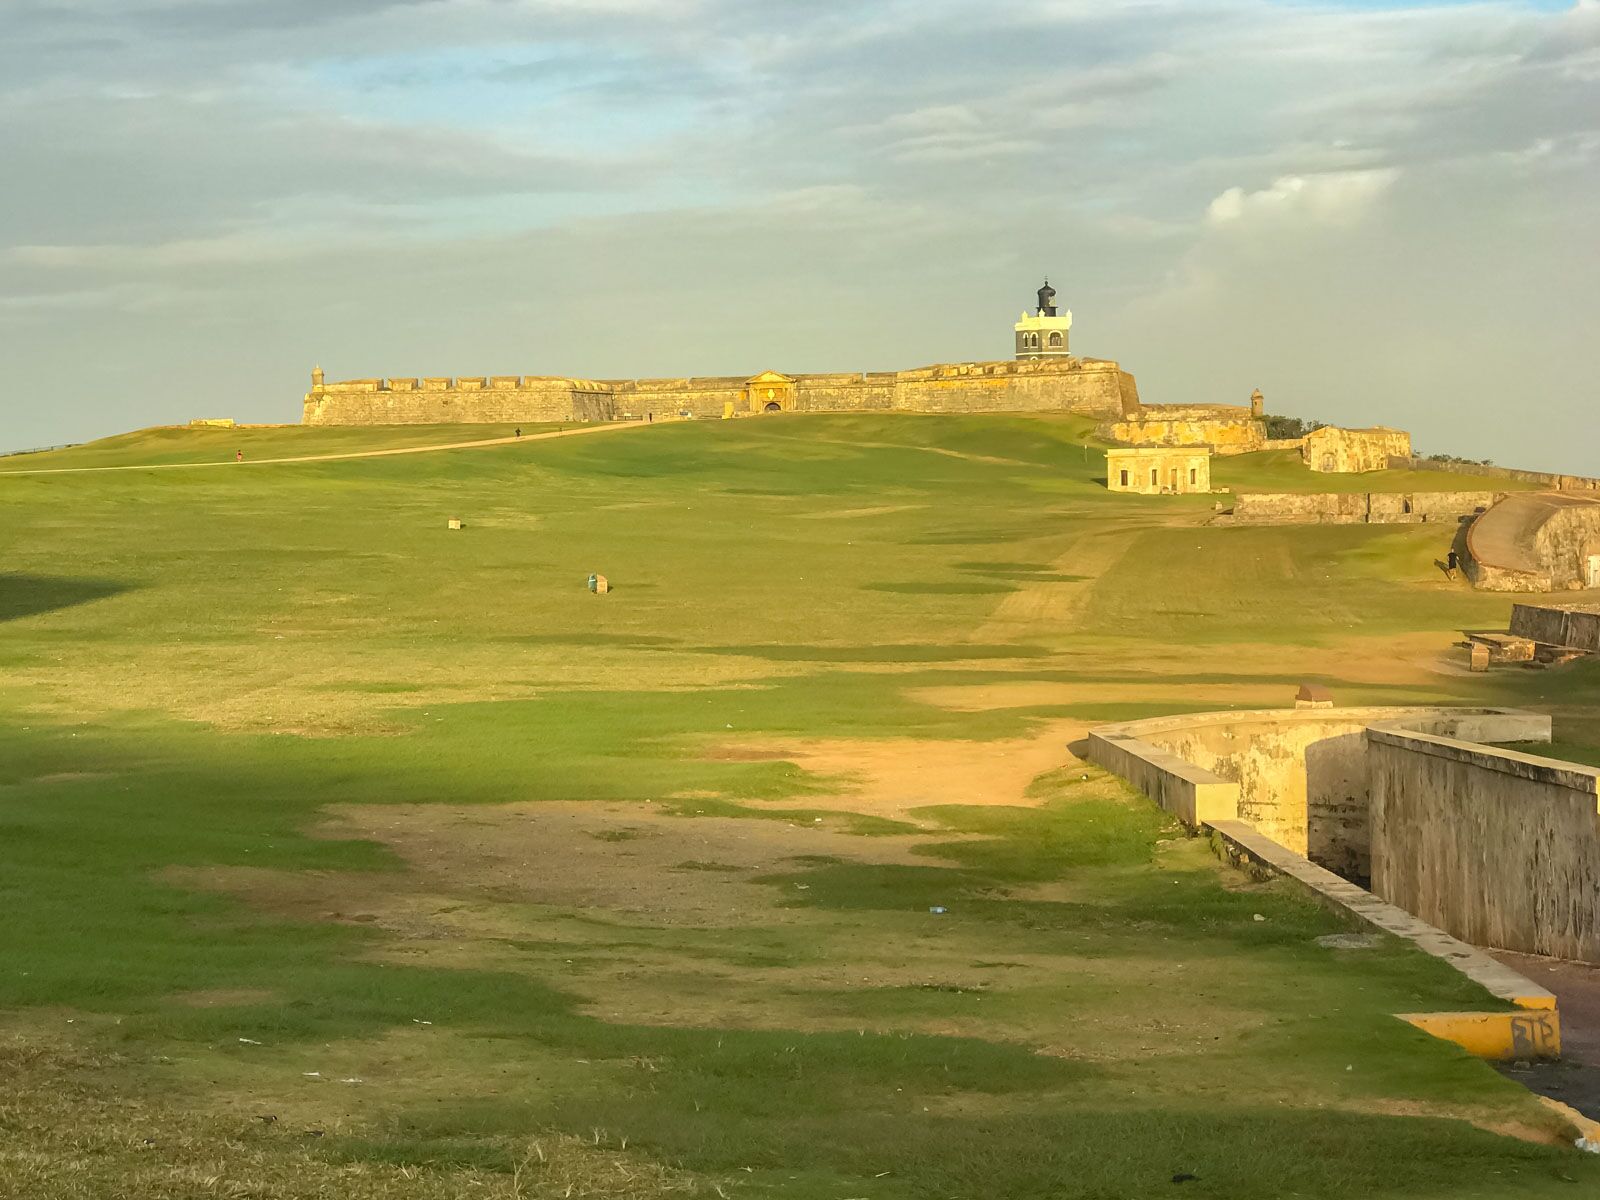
{"type": "Point", "coordinates": [1044, 334]}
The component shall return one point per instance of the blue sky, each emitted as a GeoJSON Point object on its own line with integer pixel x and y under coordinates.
{"type": "Point", "coordinates": [1373, 212]}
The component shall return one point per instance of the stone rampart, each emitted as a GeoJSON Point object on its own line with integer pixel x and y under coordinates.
{"type": "Point", "coordinates": [1499, 848]}
{"type": "Point", "coordinates": [1358, 508]}
{"type": "Point", "coordinates": [1225, 429]}
{"type": "Point", "coordinates": [1333, 449]}
{"type": "Point", "coordinates": [1092, 387]}
{"type": "Point", "coordinates": [459, 402]}
{"type": "Point", "coordinates": [1220, 436]}
{"type": "Point", "coordinates": [1543, 479]}
{"type": "Point", "coordinates": [1536, 542]}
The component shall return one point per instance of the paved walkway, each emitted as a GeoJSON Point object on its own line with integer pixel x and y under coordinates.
{"type": "Point", "coordinates": [1575, 1080]}
{"type": "Point", "coordinates": [578, 431]}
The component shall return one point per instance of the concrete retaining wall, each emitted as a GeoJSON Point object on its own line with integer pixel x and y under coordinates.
{"type": "Point", "coordinates": [1300, 776]}
{"type": "Point", "coordinates": [1496, 847]}
{"type": "Point", "coordinates": [1558, 625]}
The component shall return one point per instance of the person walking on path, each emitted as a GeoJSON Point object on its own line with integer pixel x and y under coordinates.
{"type": "Point", "coordinates": [238, 456]}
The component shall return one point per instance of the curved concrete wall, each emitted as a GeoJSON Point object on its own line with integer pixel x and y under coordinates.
{"type": "Point", "coordinates": [1299, 776]}
{"type": "Point", "coordinates": [1536, 542]}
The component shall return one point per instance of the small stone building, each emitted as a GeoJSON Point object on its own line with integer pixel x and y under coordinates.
{"type": "Point", "coordinates": [1159, 470]}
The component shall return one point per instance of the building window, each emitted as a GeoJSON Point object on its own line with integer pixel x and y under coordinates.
{"type": "Point", "coordinates": [1194, 476]}
{"type": "Point", "coordinates": [1055, 339]}
{"type": "Point", "coordinates": [1124, 479]}
{"type": "Point", "coordinates": [1155, 477]}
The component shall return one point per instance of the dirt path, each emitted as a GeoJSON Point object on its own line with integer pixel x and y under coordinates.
{"type": "Point", "coordinates": [893, 777]}
{"type": "Point", "coordinates": [1056, 603]}
{"type": "Point", "coordinates": [964, 455]}
{"type": "Point", "coordinates": [305, 458]}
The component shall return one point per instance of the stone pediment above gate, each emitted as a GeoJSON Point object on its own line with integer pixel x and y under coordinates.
{"type": "Point", "coordinates": [768, 378]}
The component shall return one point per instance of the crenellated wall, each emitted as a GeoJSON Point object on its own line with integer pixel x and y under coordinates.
{"type": "Point", "coordinates": [1092, 387]}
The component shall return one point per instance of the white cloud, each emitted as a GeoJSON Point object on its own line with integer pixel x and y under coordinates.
{"type": "Point", "coordinates": [1335, 197]}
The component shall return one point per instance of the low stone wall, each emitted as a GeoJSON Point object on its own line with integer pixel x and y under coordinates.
{"type": "Point", "coordinates": [1558, 624]}
{"type": "Point", "coordinates": [1192, 794]}
{"type": "Point", "coordinates": [1499, 848]}
{"type": "Point", "coordinates": [1297, 775]}
{"type": "Point", "coordinates": [1545, 479]}
{"type": "Point", "coordinates": [1358, 508]}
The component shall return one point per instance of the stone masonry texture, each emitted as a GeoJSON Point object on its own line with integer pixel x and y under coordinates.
{"type": "Point", "coordinates": [1092, 387]}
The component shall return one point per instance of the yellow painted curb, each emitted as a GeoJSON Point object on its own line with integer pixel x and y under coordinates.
{"type": "Point", "coordinates": [1503, 1037]}
{"type": "Point", "coordinates": [1582, 1126]}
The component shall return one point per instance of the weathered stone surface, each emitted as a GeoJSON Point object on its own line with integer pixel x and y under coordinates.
{"type": "Point", "coordinates": [1092, 387]}
{"type": "Point", "coordinates": [1536, 542]}
{"type": "Point", "coordinates": [1158, 470]}
{"type": "Point", "coordinates": [1224, 429]}
{"type": "Point", "coordinates": [1298, 775]}
{"type": "Point", "coordinates": [1499, 848]}
{"type": "Point", "coordinates": [1353, 450]}
{"type": "Point", "coordinates": [1358, 508]}
{"type": "Point", "coordinates": [1576, 625]}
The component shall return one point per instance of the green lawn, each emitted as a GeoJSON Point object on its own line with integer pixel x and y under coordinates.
{"type": "Point", "coordinates": [166, 444]}
{"type": "Point", "coordinates": [476, 883]}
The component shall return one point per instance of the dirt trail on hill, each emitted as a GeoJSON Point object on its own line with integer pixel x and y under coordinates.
{"type": "Point", "coordinates": [893, 777]}
{"type": "Point", "coordinates": [305, 458]}
{"type": "Point", "coordinates": [1057, 602]}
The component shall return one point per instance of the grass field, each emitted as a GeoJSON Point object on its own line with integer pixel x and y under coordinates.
{"type": "Point", "coordinates": [345, 854]}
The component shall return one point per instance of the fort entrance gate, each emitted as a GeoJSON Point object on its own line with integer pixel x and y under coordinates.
{"type": "Point", "coordinates": [770, 392]}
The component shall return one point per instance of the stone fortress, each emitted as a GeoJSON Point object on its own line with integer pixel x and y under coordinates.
{"type": "Point", "coordinates": [1042, 377]}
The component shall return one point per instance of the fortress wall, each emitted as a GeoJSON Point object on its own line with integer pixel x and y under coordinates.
{"type": "Point", "coordinates": [873, 392]}
{"type": "Point", "coordinates": [1566, 543]}
{"type": "Point", "coordinates": [1199, 412]}
{"type": "Point", "coordinates": [1358, 508]}
{"type": "Point", "coordinates": [1092, 387]}
{"type": "Point", "coordinates": [1559, 483]}
{"type": "Point", "coordinates": [1129, 390]}
{"type": "Point", "coordinates": [1226, 435]}
{"type": "Point", "coordinates": [703, 396]}
{"type": "Point", "coordinates": [1498, 848]}
{"type": "Point", "coordinates": [1353, 451]}
{"type": "Point", "coordinates": [507, 400]}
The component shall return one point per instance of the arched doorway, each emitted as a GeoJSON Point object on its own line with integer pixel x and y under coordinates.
{"type": "Point", "coordinates": [769, 392]}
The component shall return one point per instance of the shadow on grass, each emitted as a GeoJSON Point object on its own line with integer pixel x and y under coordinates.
{"type": "Point", "coordinates": [30, 595]}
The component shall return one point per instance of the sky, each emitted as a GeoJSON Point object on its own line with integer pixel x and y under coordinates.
{"type": "Point", "coordinates": [1376, 213]}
